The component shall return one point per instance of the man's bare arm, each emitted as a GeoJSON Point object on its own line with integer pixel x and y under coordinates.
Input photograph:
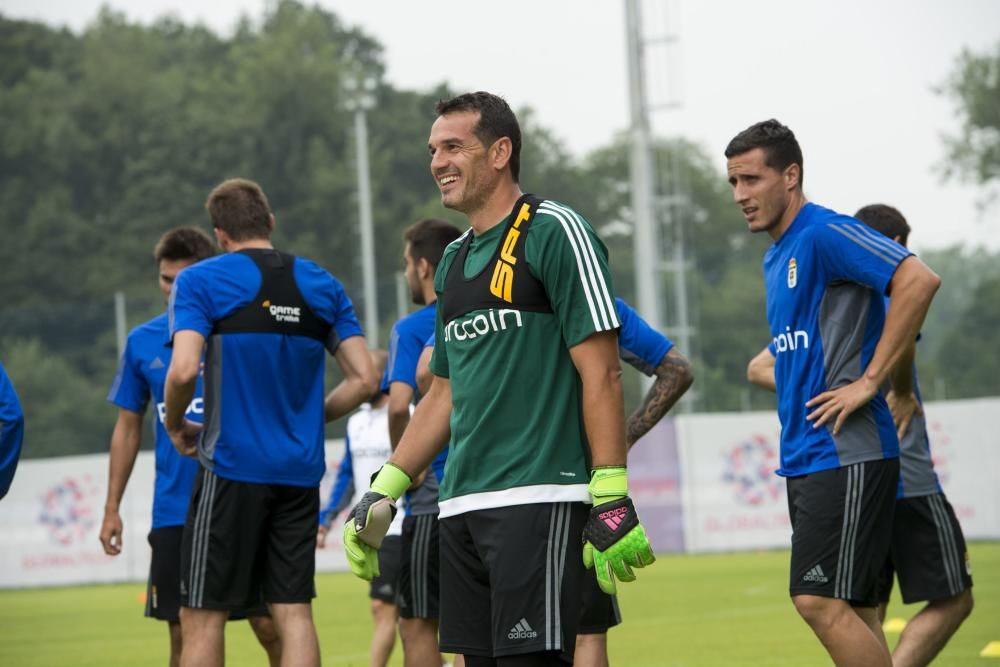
{"type": "Point", "coordinates": [912, 289]}
{"type": "Point", "coordinates": [596, 360]}
{"type": "Point", "coordinates": [360, 379]}
{"type": "Point", "coordinates": [424, 374]}
{"type": "Point", "coordinates": [428, 431]}
{"type": "Point", "coordinates": [901, 398]}
{"type": "Point", "coordinates": [125, 440]}
{"type": "Point", "coordinates": [673, 378]}
{"type": "Point", "coordinates": [400, 396]}
{"type": "Point", "coordinates": [760, 370]}
{"type": "Point", "coordinates": [178, 390]}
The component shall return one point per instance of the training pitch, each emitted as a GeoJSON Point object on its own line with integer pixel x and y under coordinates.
{"type": "Point", "coordinates": [730, 609]}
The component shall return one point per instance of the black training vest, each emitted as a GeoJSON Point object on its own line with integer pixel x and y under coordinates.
{"type": "Point", "coordinates": [279, 306]}
{"type": "Point", "coordinates": [505, 281]}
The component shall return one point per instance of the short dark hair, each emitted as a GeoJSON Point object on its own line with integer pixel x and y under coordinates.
{"type": "Point", "coordinates": [428, 239]}
{"type": "Point", "coordinates": [886, 220]}
{"type": "Point", "coordinates": [184, 243]}
{"type": "Point", "coordinates": [780, 146]}
{"type": "Point", "coordinates": [496, 120]}
{"type": "Point", "coordinates": [239, 208]}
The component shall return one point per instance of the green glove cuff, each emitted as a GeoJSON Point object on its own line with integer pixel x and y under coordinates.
{"type": "Point", "coordinates": [608, 484]}
{"type": "Point", "coordinates": [391, 481]}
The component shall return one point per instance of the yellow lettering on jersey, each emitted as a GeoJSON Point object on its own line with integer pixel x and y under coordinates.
{"type": "Point", "coordinates": [503, 281]}
{"type": "Point", "coordinates": [522, 215]}
{"type": "Point", "coordinates": [508, 246]}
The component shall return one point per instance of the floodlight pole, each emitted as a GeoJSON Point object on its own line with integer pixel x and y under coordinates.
{"type": "Point", "coordinates": [360, 99]}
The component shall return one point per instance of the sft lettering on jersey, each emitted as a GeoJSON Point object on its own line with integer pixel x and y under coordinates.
{"type": "Point", "coordinates": [502, 282]}
{"type": "Point", "coordinates": [482, 324]}
{"type": "Point", "coordinates": [197, 407]}
{"type": "Point", "coordinates": [791, 340]}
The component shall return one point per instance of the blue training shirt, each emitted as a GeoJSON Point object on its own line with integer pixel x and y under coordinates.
{"type": "Point", "coordinates": [264, 391]}
{"type": "Point", "coordinates": [11, 431]}
{"type": "Point", "coordinates": [142, 371]}
{"type": "Point", "coordinates": [406, 342]}
{"type": "Point", "coordinates": [640, 345]}
{"type": "Point", "coordinates": [825, 280]}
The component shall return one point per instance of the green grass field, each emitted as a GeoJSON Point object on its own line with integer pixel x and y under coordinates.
{"type": "Point", "coordinates": [728, 610]}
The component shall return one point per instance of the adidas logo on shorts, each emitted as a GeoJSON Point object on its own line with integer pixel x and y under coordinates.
{"type": "Point", "coordinates": [816, 574]}
{"type": "Point", "coordinates": [522, 631]}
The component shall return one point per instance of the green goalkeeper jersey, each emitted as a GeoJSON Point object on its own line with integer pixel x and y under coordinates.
{"type": "Point", "coordinates": [530, 292]}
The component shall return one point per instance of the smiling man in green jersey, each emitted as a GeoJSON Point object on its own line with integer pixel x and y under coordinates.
{"type": "Point", "coordinates": [527, 384]}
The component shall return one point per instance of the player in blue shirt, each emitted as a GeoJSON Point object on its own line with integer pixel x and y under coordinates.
{"type": "Point", "coordinates": [11, 431]}
{"type": "Point", "coordinates": [424, 243]}
{"type": "Point", "coordinates": [141, 373]}
{"type": "Point", "coordinates": [654, 355]}
{"type": "Point", "coordinates": [266, 320]}
{"type": "Point", "coordinates": [927, 552]}
{"type": "Point", "coordinates": [825, 277]}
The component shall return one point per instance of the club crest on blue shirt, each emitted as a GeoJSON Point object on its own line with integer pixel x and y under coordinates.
{"type": "Point", "coordinates": [793, 273]}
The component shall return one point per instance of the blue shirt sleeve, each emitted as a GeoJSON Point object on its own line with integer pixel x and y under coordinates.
{"type": "Point", "coordinates": [328, 300]}
{"type": "Point", "coordinates": [130, 389]}
{"type": "Point", "coordinates": [342, 487]}
{"type": "Point", "coordinates": [638, 343]}
{"type": "Point", "coordinates": [404, 353]}
{"type": "Point", "coordinates": [11, 431]}
{"type": "Point", "coordinates": [853, 252]}
{"type": "Point", "coordinates": [429, 342]}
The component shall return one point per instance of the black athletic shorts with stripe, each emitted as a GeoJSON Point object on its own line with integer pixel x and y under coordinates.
{"type": "Point", "coordinates": [841, 525]}
{"type": "Point", "coordinates": [385, 586]}
{"type": "Point", "coordinates": [928, 551]}
{"type": "Point", "coordinates": [599, 611]}
{"type": "Point", "coordinates": [419, 568]}
{"type": "Point", "coordinates": [511, 580]}
{"type": "Point", "coordinates": [245, 543]}
{"type": "Point", "coordinates": [163, 589]}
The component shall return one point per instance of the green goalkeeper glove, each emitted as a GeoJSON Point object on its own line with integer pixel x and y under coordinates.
{"type": "Point", "coordinates": [613, 540]}
{"type": "Point", "coordinates": [369, 521]}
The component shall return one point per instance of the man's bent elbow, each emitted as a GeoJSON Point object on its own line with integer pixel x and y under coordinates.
{"type": "Point", "coordinates": [180, 374]}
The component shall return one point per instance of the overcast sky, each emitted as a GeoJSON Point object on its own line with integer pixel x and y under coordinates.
{"type": "Point", "coordinates": [854, 79]}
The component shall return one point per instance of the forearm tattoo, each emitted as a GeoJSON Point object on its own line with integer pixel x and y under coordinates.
{"type": "Point", "coordinates": [673, 377]}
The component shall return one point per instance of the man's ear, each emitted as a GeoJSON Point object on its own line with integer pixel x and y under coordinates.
{"type": "Point", "coordinates": [424, 269]}
{"type": "Point", "coordinates": [793, 176]}
{"type": "Point", "coordinates": [500, 153]}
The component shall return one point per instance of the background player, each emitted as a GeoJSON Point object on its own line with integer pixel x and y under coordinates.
{"type": "Point", "coordinates": [268, 319]}
{"type": "Point", "coordinates": [424, 243]}
{"type": "Point", "coordinates": [928, 552]}
{"type": "Point", "coordinates": [653, 354]}
{"type": "Point", "coordinates": [524, 385]}
{"type": "Point", "coordinates": [141, 374]}
{"type": "Point", "coordinates": [825, 277]}
{"type": "Point", "coordinates": [366, 447]}
{"type": "Point", "coordinates": [11, 431]}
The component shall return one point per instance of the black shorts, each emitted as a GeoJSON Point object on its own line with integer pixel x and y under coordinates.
{"type": "Point", "coordinates": [841, 524]}
{"type": "Point", "coordinates": [420, 568]}
{"type": "Point", "coordinates": [163, 590]}
{"type": "Point", "coordinates": [511, 579]}
{"type": "Point", "coordinates": [385, 586]}
{"type": "Point", "coordinates": [599, 611]}
{"type": "Point", "coordinates": [928, 551]}
{"type": "Point", "coordinates": [247, 543]}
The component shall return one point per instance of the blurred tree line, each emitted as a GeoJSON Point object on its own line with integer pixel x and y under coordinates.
{"type": "Point", "coordinates": [113, 136]}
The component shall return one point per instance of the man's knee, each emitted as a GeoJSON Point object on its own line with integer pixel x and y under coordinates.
{"type": "Point", "coordinates": [265, 629]}
{"type": "Point", "coordinates": [820, 612]}
{"type": "Point", "coordinates": [415, 629]}
{"type": "Point", "coordinates": [958, 607]}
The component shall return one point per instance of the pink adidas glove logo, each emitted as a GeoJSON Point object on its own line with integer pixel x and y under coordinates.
{"type": "Point", "coordinates": [613, 518]}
